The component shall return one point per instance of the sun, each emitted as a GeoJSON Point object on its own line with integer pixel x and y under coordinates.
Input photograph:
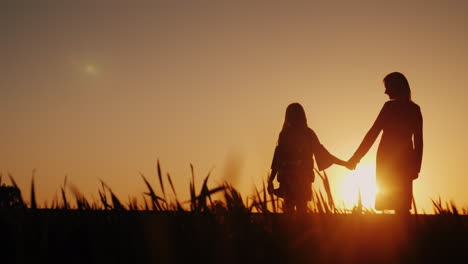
{"type": "Point", "coordinates": [362, 179]}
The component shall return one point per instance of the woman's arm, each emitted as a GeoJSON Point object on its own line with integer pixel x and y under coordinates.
{"type": "Point", "coordinates": [369, 139]}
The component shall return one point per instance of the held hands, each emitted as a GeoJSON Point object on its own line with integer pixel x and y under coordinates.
{"type": "Point", "coordinates": [351, 164]}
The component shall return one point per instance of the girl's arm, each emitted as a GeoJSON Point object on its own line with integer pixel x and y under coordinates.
{"type": "Point", "coordinates": [325, 159]}
{"type": "Point", "coordinates": [270, 187]}
{"type": "Point", "coordinates": [339, 161]}
{"type": "Point", "coordinates": [273, 173]}
{"type": "Point", "coordinates": [274, 170]}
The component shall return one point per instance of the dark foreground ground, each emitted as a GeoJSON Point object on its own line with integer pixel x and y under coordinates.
{"type": "Point", "coordinates": [70, 236]}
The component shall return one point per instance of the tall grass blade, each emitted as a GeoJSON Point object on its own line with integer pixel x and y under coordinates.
{"type": "Point", "coordinates": [54, 204]}
{"type": "Point", "coordinates": [81, 202]}
{"type": "Point", "coordinates": [265, 195]}
{"type": "Point", "coordinates": [259, 203]}
{"type": "Point", "coordinates": [33, 193]}
{"type": "Point", "coordinates": [179, 207]}
{"type": "Point", "coordinates": [206, 194]}
{"type": "Point", "coordinates": [20, 197]}
{"type": "Point", "coordinates": [154, 198]}
{"type": "Point", "coordinates": [172, 185]}
{"type": "Point", "coordinates": [146, 203]}
{"type": "Point", "coordinates": [324, 203]}
{"type": "Point", "coordinates": [273, 202]}
{"type": "Point", "coordinates": [64, 196]}
{"type": "Point", "coordinates": [453, 208]}
{"type": "Point", "coordinates": [314, 201]}
{"type": "Point", "coordinates": [116, 204]}
{"type": "Point", "coordinates": [132, 203]}
{"type": "Point", "coordinates": [234, 202]}
{"type": "Point", "coordinates": [193, 196]}
{"type": "Point", "coordinates": [103, 197]}
{"type": "Point", "coordinates": [160, 180]}
{"type": "Point", "coordinates": [202, 204]}
{"type": "Point", "coordinates": [326, 185]}
{"type": "Point", "coordinates": [318, 204]}
{"type": "Point", "coordinates": [414, 205]}
{"type": "Point", "coordinates": [448, 209]}
{"type": "Point", "coordinates": [358, 209]}
{"type": "Point", "coordinates": [438, 207]}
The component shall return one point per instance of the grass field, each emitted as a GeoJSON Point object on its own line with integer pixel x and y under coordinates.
{"type": "Point", "coordinates": [227, 230]}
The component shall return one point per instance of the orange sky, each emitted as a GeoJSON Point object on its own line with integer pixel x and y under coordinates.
{"type": "Point", "coordinates": [102, 90]}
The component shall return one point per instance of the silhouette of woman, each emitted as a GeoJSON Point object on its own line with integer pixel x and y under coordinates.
{"type": "Point", "coordinates": [293, 160]}
{"type": "Point", "coordinates": [399, 154]}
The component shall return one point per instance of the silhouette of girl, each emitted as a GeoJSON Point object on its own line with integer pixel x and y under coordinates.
{"type": "Point", "coordinates": [399, 154]}
{"type": "Point", "coordinates": [293, 160]}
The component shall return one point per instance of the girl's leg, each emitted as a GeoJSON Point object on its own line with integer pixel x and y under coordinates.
{"type": "Point", "coordinates": [288, 206]}
{"type": "Point", "coordinates": [302, 206]}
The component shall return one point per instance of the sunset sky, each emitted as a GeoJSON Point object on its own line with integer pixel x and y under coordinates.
{"type": "Point", "coordinates": [102, 89]}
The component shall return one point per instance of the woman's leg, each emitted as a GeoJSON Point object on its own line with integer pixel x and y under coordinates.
{"type": "Point", "coordinates": [405, 193]}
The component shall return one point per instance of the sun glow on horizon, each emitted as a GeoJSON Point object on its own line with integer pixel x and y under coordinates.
{"type": "Point", "coordinates": [361, 179]}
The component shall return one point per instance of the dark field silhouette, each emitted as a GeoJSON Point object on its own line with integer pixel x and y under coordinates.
{"type": "Point", "coordinates": [88, 236]}
{"type": "Point", "coordinates": [229, 229]}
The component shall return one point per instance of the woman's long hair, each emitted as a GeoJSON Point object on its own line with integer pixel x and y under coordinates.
{"type": "Point", "coordinates": [398, 86]}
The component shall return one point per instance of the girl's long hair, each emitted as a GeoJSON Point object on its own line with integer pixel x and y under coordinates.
{"type": "Point", "coordinates": [295, 117]}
